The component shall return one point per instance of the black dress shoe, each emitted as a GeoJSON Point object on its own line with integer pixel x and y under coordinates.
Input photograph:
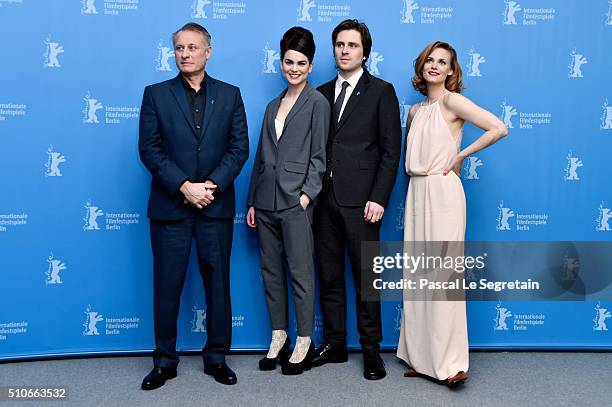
{"type": "Point", "coordinates": [292, 369]}
{"type": "Point", "coordinates": [157, 378]}
{"type": "Point", "coordinates": [373, 366]}
{"type": "Point", "coordinates": [221, 372]}
{"type": "Point", "coordinates": [283, 355]}
{"type": "Point", "coordinates": [327, 354]}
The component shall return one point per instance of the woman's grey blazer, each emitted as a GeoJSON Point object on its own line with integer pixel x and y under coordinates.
{"type": "Point", "coordinates": [294, 163]}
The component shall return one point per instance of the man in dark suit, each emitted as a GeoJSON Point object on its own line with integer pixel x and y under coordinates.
{"type": "Point", "coordinates": [363, 152]}
{"type": "Point", "coordinates": [193, 140]}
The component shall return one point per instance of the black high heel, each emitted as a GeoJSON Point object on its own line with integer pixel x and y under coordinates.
{"type": "Point", "coordinates": [456, 380]}
{"type": "Point", "coordinates": [289, 368]}
{"type": "Point", "coordinates": [270, 363]}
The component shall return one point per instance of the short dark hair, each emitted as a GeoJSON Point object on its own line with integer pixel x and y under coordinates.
{"type": "Point", "coordinates": [361, 28]}
{"type": "Point", "coordinates": [298, 39]}
{"type": "Point", "coordinates": [193, 27]}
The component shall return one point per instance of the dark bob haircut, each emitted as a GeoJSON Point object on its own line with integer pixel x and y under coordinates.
{"type": "Point", "coordinates": [361, 28]}
{"type": "Point", "coordinates": [298, 39]}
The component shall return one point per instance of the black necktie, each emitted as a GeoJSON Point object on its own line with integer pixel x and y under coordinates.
{"type": "Point", "coordinates": [340, 101]}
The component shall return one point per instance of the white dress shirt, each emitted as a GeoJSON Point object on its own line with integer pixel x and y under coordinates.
{"type": "Point", "coordinates": [352, 83]}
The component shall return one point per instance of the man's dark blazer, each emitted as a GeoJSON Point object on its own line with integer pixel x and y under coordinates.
{"type": "Point", "coordinates": [294, 163]}
{"type": "Point", "coordinates": [173, 151]}
{"type": "Point", "coordinates": [364, 148]}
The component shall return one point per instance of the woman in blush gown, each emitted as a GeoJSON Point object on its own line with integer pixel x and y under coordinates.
{"type": "Point", "coordinates": [433, 336]}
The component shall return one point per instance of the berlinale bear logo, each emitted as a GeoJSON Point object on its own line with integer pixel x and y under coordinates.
{"type": "Point", "coordinates": [503, 217]}
{"type": "Point", "coordinates": [407, 16]}
{"type": "Point", "coordinates": [501, 315]}
{"type": "Point", "coordinates": [88, 7]}
{"type": "Point", "coordinates": [603, 218]}
{"type": "Point", "coordinates": [270, 56]}
{"type": "Point", "coordinates": [470, 167]}
{"type": "Point", "coordinates": [571, 170]}
{"type": "Point", "coordinates": [509, 12]}
{"type": "Point", "coordinates": [91, 320]}
{"type": "Point", "coordinates": [53, 161]}
{"type": "Point", "coordinates": [601, 314]}
{"type": "Point", "coordinates": [198, 323]}
{"type": "Point", "coordinates": [575, 66]}
{"type": "Point", "coordinates": [52, 51]}
{"type": "Point", "coordinates": [90, 111]}
{"type": "Point", "coordinates": [163, 58]}
{"type": "Point", "coordinates": [198, 8]}
{"type": "Point", "coordinates": [476, 60]}
{"type": "Point", "coordinates": [55, 266]}
{"type": "Point", "coordinates": [91, 216]}
{"type": "Point", "coordinates": [304, 10]}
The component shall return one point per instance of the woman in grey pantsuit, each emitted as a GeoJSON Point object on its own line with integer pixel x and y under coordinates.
{"type": "Point", "coordinates": [286, 179]}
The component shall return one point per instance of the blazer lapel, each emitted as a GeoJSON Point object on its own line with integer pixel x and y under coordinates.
{"type": "Point", "coordinates": [327, 90]}
{"type": "Point", "coordinates": [270, 119]}
{"type": "Point", "coordinates": [179, 94]}
{"type": "Point", "coordinates": [356, 96]}
{"type": "Point", "coordinates": [211, 95]}
{"type": "Point", "coordinates": [299, 103]}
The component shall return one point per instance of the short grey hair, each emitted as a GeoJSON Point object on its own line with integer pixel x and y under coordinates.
{"type": "Point", "coordinates": [193, 27]}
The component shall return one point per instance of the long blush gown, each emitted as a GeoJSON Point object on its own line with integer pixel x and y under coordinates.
{"type": "Point", "coordinates": [433, 336]}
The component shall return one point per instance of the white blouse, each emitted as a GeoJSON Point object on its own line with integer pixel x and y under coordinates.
{"type": "Point", "coordinates": [278, 125]}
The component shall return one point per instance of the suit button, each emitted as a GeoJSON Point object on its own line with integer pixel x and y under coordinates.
{"type": "Point", "coordinates": [336, 142]}
{"type": "Point", "coordinates": [198, 148]}
{"type": "Point", "coordinates": [274, 167]}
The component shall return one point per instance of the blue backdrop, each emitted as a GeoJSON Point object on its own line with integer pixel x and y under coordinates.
{"type": "Point", "coordinates": [75, 259]}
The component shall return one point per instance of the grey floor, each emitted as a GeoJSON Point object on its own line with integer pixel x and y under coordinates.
{"type": "Point", "coordinates": [496, 379]}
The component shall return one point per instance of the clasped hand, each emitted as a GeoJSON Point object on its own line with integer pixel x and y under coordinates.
{"type": "Point", "coordinates": [198, 194]}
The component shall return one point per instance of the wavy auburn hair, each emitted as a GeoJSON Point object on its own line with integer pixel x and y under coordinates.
{"type": "Point", "coordinates": [453, 82]}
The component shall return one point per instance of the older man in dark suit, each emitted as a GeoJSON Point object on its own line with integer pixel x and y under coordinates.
{"type": "Point", "coordinates": [193, 140]}
{"type": "Point", "coordinates": [363, 151]}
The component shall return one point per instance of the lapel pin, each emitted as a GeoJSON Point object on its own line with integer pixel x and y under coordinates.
{"type": "Point", "coordinates": [212, 101]}
{"type": "Point", "coordinates": [358, 93]}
